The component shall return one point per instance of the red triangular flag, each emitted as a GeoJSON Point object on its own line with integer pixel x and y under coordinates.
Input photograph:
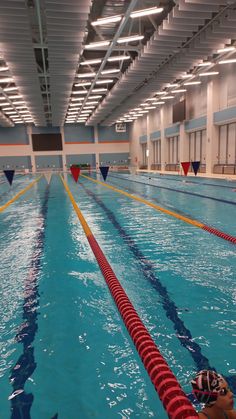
{"type": "Point", "coordinates": [104, 171]}
{"type": "Point", "coordinates": [9, 175]}
{"type": "Point", "coordinates": [75, 171]}
{"type": "Point", "coordinates": [185, 166]}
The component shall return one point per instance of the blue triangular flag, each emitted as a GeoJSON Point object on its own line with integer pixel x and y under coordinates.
{"type": "Point", "coordinates": [104, 171]}
{"type": "Point", "coordinates": [195, 166]}
{"type": "Point", "coordinates": [9, 175]}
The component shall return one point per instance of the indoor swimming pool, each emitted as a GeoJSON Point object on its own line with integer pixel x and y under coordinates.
{"type": "Point", "coordinates": [65, 352]}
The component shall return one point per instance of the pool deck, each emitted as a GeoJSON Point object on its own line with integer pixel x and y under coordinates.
{"type": "Point", "coordinates": [204, 175]}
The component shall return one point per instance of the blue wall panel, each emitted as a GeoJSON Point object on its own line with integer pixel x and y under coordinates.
{"type": "Point", "coordinates": [156, 135]}
{"type": "Point", "coordinates": [43, 162]}
{"type": "Point", "coordinates": [171, 131]}
{"type": "Point", "coordinates": [195, 124]}
{"type": "Point", "coordinates": [78, 134]}
{"type": "Point", "coordinates": [109, 134]}
{"type": "Point", "coordinates": [80, 158]}
{"type": "Point", "coordinates": [224, 116]}
{"type": "Point", "coordinates": [15, 135]}
{"type": "Point", "coordinates": [117, 159]}
{"type": "Point", "coordinates": [142, 139]}
{"type": "Point", "coordinates": [15, 162]}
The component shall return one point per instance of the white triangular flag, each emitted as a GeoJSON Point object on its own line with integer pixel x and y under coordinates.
{"type": "Point", "coordinates": [48, 176]}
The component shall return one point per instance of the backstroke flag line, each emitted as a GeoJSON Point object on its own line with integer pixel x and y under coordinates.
{"type": "Point", "coordinates": [185, 166]}
{"type": "Point", "coordinates": [75, 171]}
{"type": "Point", "coordinates": [9, 175]}
{"type": "Point", "coordinates": [104, 171]}
{"type": "Point", "coordinates": [195, 166]}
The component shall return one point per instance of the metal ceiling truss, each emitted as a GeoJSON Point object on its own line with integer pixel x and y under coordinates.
{"type": "Point", "coordinates": [184, 37]}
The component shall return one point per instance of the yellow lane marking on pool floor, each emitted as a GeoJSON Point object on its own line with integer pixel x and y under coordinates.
{"type": "Point", "coordinates": [150, 204]}
{"type": "Point", "coordinates": [3, 207]}
{"type": "Point", "coordinates": [84, 224]}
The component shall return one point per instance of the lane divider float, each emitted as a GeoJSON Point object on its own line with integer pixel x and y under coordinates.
{"type": "Point", "coordinates": [173, 398]}
{"type": "Point", "coordinates": [174, 214]}
{"type": "Point", "coordinates": [3, 207]}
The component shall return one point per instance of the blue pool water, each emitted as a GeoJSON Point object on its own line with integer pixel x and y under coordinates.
{"type": "Point", "coordinates": [65, 352]}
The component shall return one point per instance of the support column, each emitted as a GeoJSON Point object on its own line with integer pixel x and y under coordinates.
{"type": "Point", "coordinates": [163, 140]}
{"type": "Point", "coordinates": [32, 156]}
{"type": "Point", "coordinates": [64, 168]}
{"type": "Point", "coordinates": [148, 145]}
{"type": "Point", "coordinates": [183, 144]}
{"type": "Point", "coordinates": [96, 142]}
{"type": "Point", "coordinates": [212, 131]}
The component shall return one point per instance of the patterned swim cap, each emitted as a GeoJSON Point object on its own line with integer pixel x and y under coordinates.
{"type": "Point", "coordinates": [206, 386]}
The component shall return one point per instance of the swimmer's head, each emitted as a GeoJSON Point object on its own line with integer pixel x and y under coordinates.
{"type": "Point", "coordinates": [207, 386]}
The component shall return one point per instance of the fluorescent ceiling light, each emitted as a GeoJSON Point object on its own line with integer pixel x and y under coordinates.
{"type": "Point", "coordinates": [92, 103]}
{"type": "Point", "coordinates": [143, 111]}
{"type": "Point", "coordinates": [19, 102]}
{"type": "Point", "coordinates": [189, 83]}
{"type": "Point", "coordinates": [230, 60]}
{"type": "Point", "coordinates": [161, 93]}
{"type": "Point", "coordinates": [69, 122]}
{"type": "Point", "coordinates": [8, 109]}
{"type": "Point", "coordinates": [179, 91]}
{"type": "Point", "coordinates": [146, 12]}
{"type": "Point", "coordinates": [85, 75]}
{"type": "Point", "coordinates": [106, 81]}
{"type": "Point", "coordinates": [167, 97]}
{"type": "Point", "coordinates": [83, 84]}
{"type": "Point", "coordinates": [90, 62]}
{"type": "Point", "coordinates": [4, 104]}
{"type": "Point", "coordinates": [79, 92]}
{"type": "Point", "coordinates": [77, 99]}
{"type": "Point", "coordinates": [72, 105]}
{"type": "Point", "coordinates": [119, 58]}
{"type": "Point", "coordinates": [97, 44]}
{"type": "Point", "coordinates": [10, 89]}
{"type": "Point", "coordinates": [186, 76]}
{"type": "Point", "coordinates": [106, 20]}
{"type": "Point", "coordinates": [172, 85]}
{"type": "Point", "coordinates": [205, 64]}
{"type": "Point", "coordinates": [100, 90]}
{"type": "Point", "coordinates": [4, 68]}
{"type": "Point", "coordinates": [90, 107]}
{"type": "Point", "coordinates": [11, 112]}
{"type": "Point", "coordinates": [112, 70]}
{"type": "Point", "coordinates": [130, 39]}
{"type": "Point", "coordinates": [209, 73]}
{"type": "Point", "coordinates": [6, 80]}
{"type": "Point", "coordinates": [226, 49]}
{"type": "Point", "coordinates": [15, 97]}
{"type": "Point", "coordinates": [158, 103]}
{"type": "Point", "coordinates": [94, 97]}
{"type": "Point", "coordinates": [150, 107]}
{"type": "Point", "coordinates": [2, 98]}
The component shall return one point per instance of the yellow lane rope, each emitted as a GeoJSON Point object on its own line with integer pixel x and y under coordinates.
{"type": "Point", "coordinates": [84, 224]}
{"type": "Point", "coordinates": [150, 204]}
{"type": "Point", "coordinates": [3, 207]}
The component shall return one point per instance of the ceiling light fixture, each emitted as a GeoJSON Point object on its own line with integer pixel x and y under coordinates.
{"type": "Point", "coordinates": [230, 60]}
{"type": "Point", "coordinates": [4, 68]}
{"type": "Point", "coordinates": [97, 44]}
{"type": "Point", "coordinates": [189, 83]}
{"type": "Point", "coordinates": [179, 91]}
{"type": "Point", "coordinates": [226, 49]}
{"type": "Point", "coordinates": [85, 75]}
{"type": "Point", "coordinates": [130, 39]}
{"type": "Point", "coordinates": [205, 64]}
{"type": "Point", "coordinates": [106, 81]}
{"type": "Point", "coordinates": [100, 90]}
{"type": "Point", "coordinates": [209, 73]}
{"type": "Point", "coordinates": [158, 103]}
{"type": "Point", "coordinates": [172, 85]}
{"type": "Point", "coordinates": [79, 92]}
{"type": "Point", "coordinates": [146, 12]}
{"type": "Point", "coordinates": [119, 58]}
{"type": "Point", "coordinates": [83, 84]}
{"type": "Point", "coordinates": [186, 76]}
{"type": "Point", "coordinates": [6, 80]}
{"type": "Point", "coordinates": [10, 89]}
{"type": "Point", "coordinates": [167, 97]}
{"type": "Point", "coordinates": [112, 70]}
{"type": "Point", "coordinates": [106, 20]}
{"type": "Point", "coordinates": [90, 62]}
